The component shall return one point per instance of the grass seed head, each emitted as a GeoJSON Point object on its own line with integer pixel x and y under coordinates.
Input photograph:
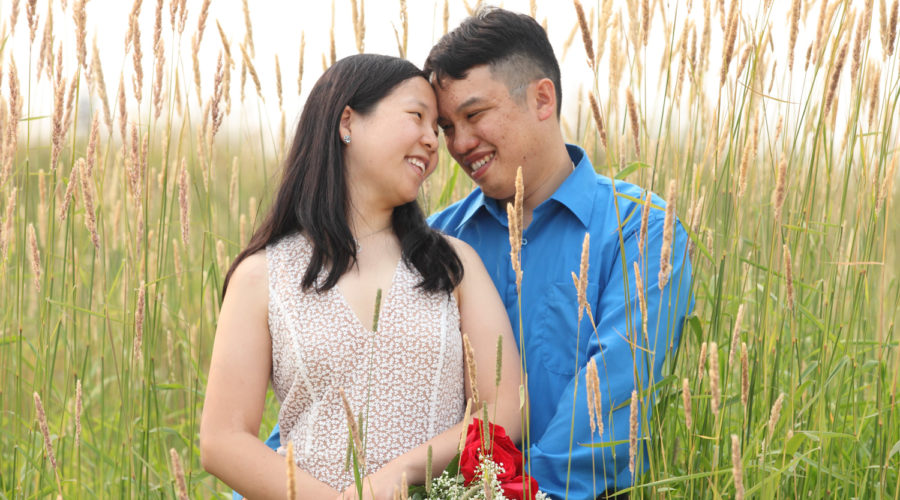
{"type": "Point", "coordinates": [70, 192]}
{"type": "Point", "coordinates": [598, 118]}
{"type": "Point", "coordinates": [291, 471]}
{"type": "Point", "coordinates": [775, 414]}
{"type": "Point", "coordinates": [795, 30]}
{"type": "Point", "coordinates": [79, 405]}
{"type": "Point", "coordinates": [583, 275]}
{"type": "Point", "coordinates": [184, 203]}
{"type": "Point", "coordinates": [645, 220]}
{"type": "Point", "coordinates": [634, 120]}
{"type": "Point", "coordinates": [633, 432]}
{"type": "Point", "coordinates": [745, 375]}
{"type": "Point", "coordinates": [585, 33]}
{"type": "Point", "coordinates": [701, 361]}
{"type": "Point", "coordinates": [471, 369]}
{"type": "Point", "coordinates": [665, 266]}
{"type": "Point", "coordinates": [835, 78]}
{"type": "Point", "coordinates": [45, 431]}
{"type": "Point", "coordinates": [779, 193]}
{"type": "Point", "coordinates": [354, 430]}
{"type": "Point", "coordinates": [139, 323]}
{"type": "Point", "coordinates": [736, 334]}
{"type": "Point", "coordinates": [686, 400]}
{"type": "Point", "coordinates": [737, 469]}
{"type": "Point", "coordinates": [788, 276]}
{"type": "Point", "coordinates": [178, 472]}
{"type": "Point", "coordinates": [35, 257]}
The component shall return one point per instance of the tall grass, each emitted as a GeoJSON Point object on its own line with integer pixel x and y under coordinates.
{"type": "Point", "coordinates": [783, 151]}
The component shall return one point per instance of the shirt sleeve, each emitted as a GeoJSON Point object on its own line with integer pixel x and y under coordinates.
{"type": "Point", "coordinates": [622, 355]}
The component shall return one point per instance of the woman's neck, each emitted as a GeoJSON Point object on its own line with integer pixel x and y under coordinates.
{"type": "Point", "coordinates": [364, 223]}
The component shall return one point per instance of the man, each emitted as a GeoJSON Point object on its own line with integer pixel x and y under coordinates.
{"type": "Point", "coordinates": [498, 87]}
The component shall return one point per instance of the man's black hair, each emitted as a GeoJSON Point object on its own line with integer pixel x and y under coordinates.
{"type": "Point", "coordinates": [514, 46]}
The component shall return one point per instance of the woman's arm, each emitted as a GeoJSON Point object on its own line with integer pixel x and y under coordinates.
{"type": "Point", "coordinates": [483, 318]}
{"type": "Point", "coordinates": [236, 391]}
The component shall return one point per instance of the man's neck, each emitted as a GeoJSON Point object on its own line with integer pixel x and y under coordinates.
{"type": "Point", "coordinates": [551, 173]}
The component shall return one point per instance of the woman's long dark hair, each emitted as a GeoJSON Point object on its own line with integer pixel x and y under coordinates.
{"type": "Point", "coordinates": [313, 196]}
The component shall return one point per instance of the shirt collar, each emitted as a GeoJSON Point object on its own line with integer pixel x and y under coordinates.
{"type": "Point", "coordinates": [574, 193]}
{"type": "Point", "coordinates": [571, 193]}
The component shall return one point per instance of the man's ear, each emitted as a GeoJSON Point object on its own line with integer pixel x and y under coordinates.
{"type": "Point", "coordinates": [346, 118]}
{"type": "Point", "coordinates": [545, 98]}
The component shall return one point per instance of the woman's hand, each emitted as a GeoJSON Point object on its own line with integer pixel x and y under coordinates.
{"type": "Point", "coordinates": [377, 486]}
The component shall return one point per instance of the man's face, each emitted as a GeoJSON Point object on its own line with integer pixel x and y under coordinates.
{"type": "Point", "coordinates": [487, 130]}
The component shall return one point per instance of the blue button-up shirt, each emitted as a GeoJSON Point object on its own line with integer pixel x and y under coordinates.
{"type": "Point", "coordinates": [556, 347]}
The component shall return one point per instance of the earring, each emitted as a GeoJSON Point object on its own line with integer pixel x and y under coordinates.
{"type": "Point", "coordinates": [346, 139]}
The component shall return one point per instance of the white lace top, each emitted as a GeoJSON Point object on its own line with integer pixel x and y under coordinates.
{"type": "Point", "coordinates": [407, 376]}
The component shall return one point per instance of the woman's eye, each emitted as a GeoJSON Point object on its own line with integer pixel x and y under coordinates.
{"type": "Point", "coordinates": [418, 115]}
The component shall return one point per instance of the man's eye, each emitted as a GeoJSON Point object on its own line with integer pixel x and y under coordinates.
{"type": "Point", "coordinates": [473, 114]}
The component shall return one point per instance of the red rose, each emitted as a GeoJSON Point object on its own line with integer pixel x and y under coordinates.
{"type": "Point", "coordinates": [503, 453]}
{"type": "Point", "coordinates": [515, 489]}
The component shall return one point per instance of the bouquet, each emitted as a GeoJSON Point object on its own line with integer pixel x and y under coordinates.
{"type": "Point", "coordinates": [489, 467]}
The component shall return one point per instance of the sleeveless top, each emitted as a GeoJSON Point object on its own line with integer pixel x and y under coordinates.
{"type": "Point", "coordinates": [406, 379]}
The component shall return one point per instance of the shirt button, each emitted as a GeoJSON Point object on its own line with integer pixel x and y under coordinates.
{"type": "Point", "coordinates": [524, 241]}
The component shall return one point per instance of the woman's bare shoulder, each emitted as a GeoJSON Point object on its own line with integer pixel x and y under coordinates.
{"type": "Point", "coordinates": [250, 277]}
{"type": "Point", "coordinates": [464, 251]}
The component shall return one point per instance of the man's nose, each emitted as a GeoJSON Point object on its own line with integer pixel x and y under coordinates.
{"type": "Point", "coordinates": [463, 140]}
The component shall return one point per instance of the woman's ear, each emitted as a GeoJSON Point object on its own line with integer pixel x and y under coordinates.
{"type": "Point", "coordinates": [346, 118]}
{"type": "Point", "coordinates": [545, 98]}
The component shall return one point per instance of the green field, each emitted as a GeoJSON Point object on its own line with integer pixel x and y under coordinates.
{"type": "Point", "coordinates": [113, 250]}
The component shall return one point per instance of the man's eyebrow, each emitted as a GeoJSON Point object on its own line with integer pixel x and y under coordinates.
{"type": "Point", "coordinates": [469, 102]}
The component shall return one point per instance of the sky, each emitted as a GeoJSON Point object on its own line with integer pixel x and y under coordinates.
{"type": "Point", "coordinates": [278, 26]}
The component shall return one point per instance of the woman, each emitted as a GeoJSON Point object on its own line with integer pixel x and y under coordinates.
{"type": "Point", "coordinates": [299, 299]}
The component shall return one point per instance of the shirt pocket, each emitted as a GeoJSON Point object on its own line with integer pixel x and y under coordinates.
{"type": "Point", "coordinates": [557, 331]}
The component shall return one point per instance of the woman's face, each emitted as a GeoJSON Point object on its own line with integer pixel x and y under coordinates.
{"type": "Point", "coordinates": [393, 148]}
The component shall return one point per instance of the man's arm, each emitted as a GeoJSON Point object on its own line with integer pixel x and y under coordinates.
{"type": "Point", "coordinates": [621, 354]}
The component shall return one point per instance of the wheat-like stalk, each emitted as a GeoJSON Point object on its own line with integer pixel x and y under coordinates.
{"type": "Point", "coordinates": [139, 324]}
{"type": "Point", "coordinates": [665, 266]}
{"type": "Point", "coordinates": [354, 431]}
{"type": "Point", "coordinates": [585, 33]}
{"type": "Point", "coordinates": [795, 30]}
{"type": "Point", "coordinates": [45, 432]}
{"type": "Point", "coordinates": [780, 188]}
{"type": "Point", "coordinates": [686, 401]}
{"type": "Point", "coordinates": [583, 276]}
{"type": "Point", "coordinates": [78, 409]}
{"type": "Point", "coordinates": [716, 394]}
{"type": "Point", "coordinates": [632, 432]}
{"type": "Point", "coordinates": [634, 120]}
{"type": "Point", "coordinates": [736, 334]}
{"type": "Point", "coordinates": [178, 472]}
{"type": "Point", "coordinates": [598, 118]}
{"type": "Point", "coordinates": [788, 276]}
{"type": "Point", "coordinates": [291, 471]}
{"type": "Point", "coordinates": [737, 469]}
{"type": "Point", "coordinates": [701, 361]}
{"type": "Point", "coordinates": [35, 258]}
{"type": "Point", "coordinates": [775, 414]}
{"type": "Point", "coordinates": [471, 369]}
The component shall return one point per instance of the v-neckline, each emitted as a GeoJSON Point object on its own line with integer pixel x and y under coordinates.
{"type": "Point", "coordinates": [385, 297]}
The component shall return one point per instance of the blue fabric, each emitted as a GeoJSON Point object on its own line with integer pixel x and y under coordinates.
{"type": "Point", "coordinates": [551, 251]}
